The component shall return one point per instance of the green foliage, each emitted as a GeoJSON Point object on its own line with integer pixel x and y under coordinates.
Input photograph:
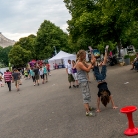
{"type": "Point", "coordinates": [126, 56]}
{"type": "Point", "coordinates": [28, 43]}
{"type": "Point", "coordinates": [4, 60]}
{"type": "Point", "coordinates": [48, 36]}
{"type": "Point", "coordinates": [101, 21]}
{"type": "Point", "coordinates": [19, 56]}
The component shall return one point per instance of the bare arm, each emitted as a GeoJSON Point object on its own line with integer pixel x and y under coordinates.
{"type": "Point", "coordinates": [82, 67]}
{"type": "Point", "coordinates": [66, 70]}
{"type": "Point", "coordinates": [112, 102]}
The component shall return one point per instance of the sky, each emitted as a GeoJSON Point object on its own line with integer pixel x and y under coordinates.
{"type": "Point", "coordinates": [20, 18]}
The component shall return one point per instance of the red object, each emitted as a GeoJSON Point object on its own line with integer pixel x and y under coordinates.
{"type": "Point", "coordinates": [132, 130]}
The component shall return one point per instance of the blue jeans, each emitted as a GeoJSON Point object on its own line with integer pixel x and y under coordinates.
{"type": "Point", "coordinates": [100, 76]}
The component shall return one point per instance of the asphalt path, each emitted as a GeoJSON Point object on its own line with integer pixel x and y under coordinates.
{"type": "Point", "coordinates": [52, 110]}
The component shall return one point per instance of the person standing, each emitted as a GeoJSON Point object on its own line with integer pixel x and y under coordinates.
{"type": "Point", "coordinates": [83, 81]}
{"type": "Point", "coordinates": [41, 72]}
{"type": "Point", "coordinates": [48, 69]}
{"type": "Point", "coordinates": [74, 73]}
{"type": "Point", "coordinates": [69, 72]}
{"type": "Point", "coordinates": [45, 73]}
{"type": "Point", "coordinates": [8, 78]}
{"type": "Point", "coordinates": [16, 78]}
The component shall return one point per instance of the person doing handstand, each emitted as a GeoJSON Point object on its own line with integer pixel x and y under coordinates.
{"type": "Point", "coordinates": [103, 94]}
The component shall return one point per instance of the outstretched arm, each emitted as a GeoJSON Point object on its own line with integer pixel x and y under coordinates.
{"type": "Point", "coordinates": [112, 102]}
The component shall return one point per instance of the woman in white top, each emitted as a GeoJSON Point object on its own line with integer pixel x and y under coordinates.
{"type": "Point", "coordinates": [41, 72]}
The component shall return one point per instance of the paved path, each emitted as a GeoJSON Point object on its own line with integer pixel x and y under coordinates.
{"type": "Point", "coordinates": [53, 111]}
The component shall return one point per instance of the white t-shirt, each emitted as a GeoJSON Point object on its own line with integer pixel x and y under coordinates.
{"type": "Point", "coordinates": [69, 67]}
{"type": "Point", "coordinates": [41, 72]}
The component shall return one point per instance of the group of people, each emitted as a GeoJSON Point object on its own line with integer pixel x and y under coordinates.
{"type": "Point", "coordinates": [82, 69]}
{"type": "Point", "coordinates": [35, 72]}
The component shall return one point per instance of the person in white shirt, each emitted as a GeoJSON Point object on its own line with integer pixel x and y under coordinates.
{"type": "Point", "coordinates": [69, 72]}
{"type": "Point", "coordinates": [41, 72]}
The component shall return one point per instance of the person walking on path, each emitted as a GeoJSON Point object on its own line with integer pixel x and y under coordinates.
{"type": "Point", "coordinates": [8, 78]}
{"type": "Point", "coordinates": [36, 71]}
{"type": "Point", "coordinates": [103, 94]}
{"type": "Point", "coordinates": [32, 74]}
{"type": "Point", "coordinates": [69, 72]}
{"type": "Point", "coordinates": [41, 72]}
{"type": "Point", "coordinates": [74, 73]}
{"type": "Point", "coordinates": [48, 69]}
{"type": "Point", "coordinates": [83, 81]}
{"type": "Point", "coordinates": [16, 78]}
{"type": "Point", "coordinates": [45, 73]}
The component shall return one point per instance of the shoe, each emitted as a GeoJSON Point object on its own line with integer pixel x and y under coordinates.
{"type": "Point", "coordinates": [92, 108]}
{"type": "Point", "coordinates": [107, 46]}
{"type": "Point", "coordinates": [132, 69]}
{"type": "Point", "coordinates": [90, 114]}
{"type": "Point", "coordinates": [74, 86]}
{"type": "Point", "coordinates": [34, 84]}
{"type": "Point", "coordinates": [69, 87]}
{"type": "Point", "coordinates": [38, 84]}
{"type": "Point", "coordinates": [77, 86]}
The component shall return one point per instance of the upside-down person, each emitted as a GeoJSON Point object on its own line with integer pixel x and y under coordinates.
{"type": "Point", "coordinates": [104, 95]}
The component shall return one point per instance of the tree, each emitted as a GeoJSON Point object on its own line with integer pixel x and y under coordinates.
{"type": "Point", "coordinates": [100, 20]}
{"type": "Point", "coordinates": [28, 43]}
{"type": "Point", "coordinates": [48, 36]}
{"type": "Point", "coordinates": [19, 56]}
{"type": "Point", "coordinates": [4, 55]}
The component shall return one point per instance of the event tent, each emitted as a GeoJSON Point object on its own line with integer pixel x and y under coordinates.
{"type": "Point", "coordinates": [61, 59]}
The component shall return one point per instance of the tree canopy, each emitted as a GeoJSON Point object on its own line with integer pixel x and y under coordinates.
{"type": "Point", "coordinates": [98, 21]}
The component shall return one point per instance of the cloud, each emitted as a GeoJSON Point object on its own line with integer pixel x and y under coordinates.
{"type": "Point", "coordinates": [23, 17]}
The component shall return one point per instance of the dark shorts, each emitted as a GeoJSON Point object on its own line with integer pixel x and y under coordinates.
{"type": "Point", "coordinates": [37, 77]}
{"type": "Point", "coordinates": [42, 76]}
{"type": "Point", "coordinates": [70, 78]}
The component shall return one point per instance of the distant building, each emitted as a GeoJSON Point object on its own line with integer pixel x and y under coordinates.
{"type": "Point", "coordinates": [5, 42]}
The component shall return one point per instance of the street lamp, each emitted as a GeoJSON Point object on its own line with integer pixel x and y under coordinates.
{"type": "Point", "coordinates": [55, 50]}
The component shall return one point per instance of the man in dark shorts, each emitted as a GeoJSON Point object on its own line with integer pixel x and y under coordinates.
{"type": "Point", "coordinates": [16, 78]}
{"type": "Point", "coordinates": [36, 71]}
{"type": "Point", "coordinates": [69, 72]}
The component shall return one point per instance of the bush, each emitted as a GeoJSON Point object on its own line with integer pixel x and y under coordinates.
{"type": "Point", "coordinates": [126, 56]}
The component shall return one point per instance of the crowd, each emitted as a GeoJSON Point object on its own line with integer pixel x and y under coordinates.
{"type": "Point", "coordinates": [78, 76]}
{"type": "Point", "coordinates": [37, 73]}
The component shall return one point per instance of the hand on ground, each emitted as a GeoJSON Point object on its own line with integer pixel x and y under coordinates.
{"type": "Point", "coordinates": [115, 107]}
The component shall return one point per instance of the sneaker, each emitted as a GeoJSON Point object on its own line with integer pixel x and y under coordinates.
{"type": "Point", "coordinates": [107, 46]}
{"type": "Point", "coordinates": [74, 86]}
{"type": "Point", "coordinates": [92, 108]}
{"type": "Point", "coordinates": [69, 87]}
{"type": "Point", "coordinates": [77, 86]}
{"type": "Point", "coordinates": [34, 84]}
{"type": "Point", "coordinates": [90, 114]}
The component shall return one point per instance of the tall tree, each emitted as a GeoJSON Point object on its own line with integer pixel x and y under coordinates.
{"type": "Point", "coordinates": [48, 37]}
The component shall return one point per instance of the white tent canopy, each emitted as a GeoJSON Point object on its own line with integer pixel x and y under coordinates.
{"type": "Point", "coordinates": [61, 58]}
